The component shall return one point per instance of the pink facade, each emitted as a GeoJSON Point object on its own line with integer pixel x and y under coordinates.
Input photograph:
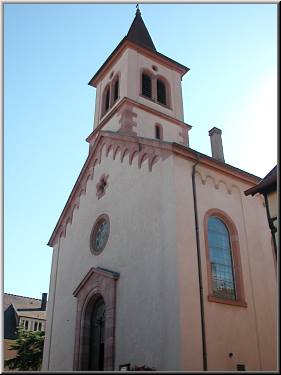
{"type": "Point", "coordinates": [169, 302]}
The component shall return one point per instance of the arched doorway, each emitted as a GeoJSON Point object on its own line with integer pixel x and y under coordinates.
{"type": "Point", "coordinates": [95, 321]}
{"type": "Point", "coordinates": [97, 330]}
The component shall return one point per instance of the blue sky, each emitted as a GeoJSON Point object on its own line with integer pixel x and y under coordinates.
{"type": "Point", "coordinates": [50, 53]}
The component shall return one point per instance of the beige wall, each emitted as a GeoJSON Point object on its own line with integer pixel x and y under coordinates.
{"type": "Point", "coordinates": [152, 245]}
{"type": "Point", "coordinates": [249, 333]}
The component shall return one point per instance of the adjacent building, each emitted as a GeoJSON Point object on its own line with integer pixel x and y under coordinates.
{"type": "Point", "coordinates": [30, 313]}
{"type": "Point", "coordinates": [268, 188]}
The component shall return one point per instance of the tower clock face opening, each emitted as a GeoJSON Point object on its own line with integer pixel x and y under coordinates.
{"type": "Point", "coordinates": [100, 234]}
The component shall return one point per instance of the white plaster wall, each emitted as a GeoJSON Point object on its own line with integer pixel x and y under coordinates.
{"type": "Point", "coordinates": [249, 333]}
{"type": "Point", "coordinates": [142, 248]}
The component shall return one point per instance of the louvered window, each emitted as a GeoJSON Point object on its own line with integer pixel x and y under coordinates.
{"type": "Point", "coordinates": [116, 90]}
{"type": "Point", "coordinates": [106, 106]}
{"type": "Point", "coordinates": [146, 85]}
{"type": "Point", "coordinates": [161, 92]}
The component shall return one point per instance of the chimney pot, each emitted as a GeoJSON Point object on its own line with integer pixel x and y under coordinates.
{"type": "Point", "coordinates": [216, 144]}
{"type": "Point", "coordinates": [44, 301]}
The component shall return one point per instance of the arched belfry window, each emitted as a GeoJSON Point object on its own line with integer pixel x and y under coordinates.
{"type": "Point", "coordinates": [156, 88]}
{"type": "Point", "coordinates": [110, 94]}
{"type": "Point", "coordinates": [220, 259]}
{"type": "Point", "coordinates": [116, 90]}
{"type": "Point", "coordinates": [146, 85]}
{"type": "Point", "coordinates": [225, 282]}
{"type": "Point", "coordinates": [106, 99]}
{"type": "Point", "coordinates": [161, 92]}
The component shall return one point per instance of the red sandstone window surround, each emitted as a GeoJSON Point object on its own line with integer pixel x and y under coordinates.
{"type": "Point", "coordinates": [110, 94]}
{"type": "Point", "coordinates": [158, 131]}
{"type": "Point", "coordinates": [155, 88]}
{"type": "Point", "coordinates": [224, 270]}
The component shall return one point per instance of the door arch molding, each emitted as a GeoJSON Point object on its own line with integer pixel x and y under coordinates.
{"type": "Point", "coordinates": [97, 283]}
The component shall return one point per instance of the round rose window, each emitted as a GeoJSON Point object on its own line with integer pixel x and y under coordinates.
{"type": "Point", "coordinates": [100, 233]}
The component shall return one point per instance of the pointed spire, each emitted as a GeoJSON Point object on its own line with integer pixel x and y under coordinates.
{"type": "Point", "coordinates": [138, 32]}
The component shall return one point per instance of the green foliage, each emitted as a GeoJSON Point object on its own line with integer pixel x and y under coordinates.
{"type": "Point", "coordinates": [29, 347]}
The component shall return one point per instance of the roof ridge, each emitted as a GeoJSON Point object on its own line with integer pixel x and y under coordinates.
{"type": "Point", "coordinates": [17, 295]}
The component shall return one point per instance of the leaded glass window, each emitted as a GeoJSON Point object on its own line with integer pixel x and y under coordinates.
{"type": "Point", "coordinates": [220, 256]}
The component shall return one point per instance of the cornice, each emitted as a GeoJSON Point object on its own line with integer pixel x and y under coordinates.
{"type": "Point", "coordinates": [214, 164]}
{"type": "Point", "coordinates": [142, 149]}
{"type": "Point", "coordinates": [126, 100]}
{"type": "Point", "coordinates": [157, 57]}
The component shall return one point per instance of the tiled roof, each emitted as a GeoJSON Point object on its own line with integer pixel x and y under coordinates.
{"type": "Point", "coordinates": [20, 302]}
{"type": "Point", "coordinates": [15, 306]}
{"type": "Point", "coordinates": [267, 184]}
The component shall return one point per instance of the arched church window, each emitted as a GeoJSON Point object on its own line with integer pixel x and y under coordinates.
{"type": "Point", "coordinates": [161, 92]}
{"type": "Point", "coordinates": [146, 85]}
{"type": "Point", "coordinates": [223, 259]}
{"type": "Point", "coordinates": [220, 259]}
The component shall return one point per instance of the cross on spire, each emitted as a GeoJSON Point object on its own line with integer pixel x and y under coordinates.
{"type": "Point", "coordinates": [137, 9]}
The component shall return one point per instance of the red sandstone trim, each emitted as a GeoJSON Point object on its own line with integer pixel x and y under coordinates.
{"type": "Point", "coordinates": [93, 248]}
{"type": "Point", "coordinates": [236, 258]}
{"type": "Point", "coordinates": [154, 77]}
{"type": "Point", "coordinates": [135, 146]}
{"type": "Point", "coordinates": [160, 127]}
{"type": "Point", "coordinates": [97, 283]}
{"type": "Point", "coordinates": [131, 102]}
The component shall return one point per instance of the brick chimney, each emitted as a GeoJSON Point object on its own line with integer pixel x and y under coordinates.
{"type": "Point", "coordinates": [44, 301]}
{"type": "Point", "coordinates": [216, 144]}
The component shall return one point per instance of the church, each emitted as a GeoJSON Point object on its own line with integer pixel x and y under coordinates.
{"type": "Point", "coordinates": [159, 258]}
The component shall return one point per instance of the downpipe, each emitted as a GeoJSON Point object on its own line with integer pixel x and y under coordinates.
{"type": "Point", "coordinates": [203, 331]}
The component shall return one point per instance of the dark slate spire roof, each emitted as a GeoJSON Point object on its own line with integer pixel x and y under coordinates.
{"type": "Point", "coordinates": [139, 34]}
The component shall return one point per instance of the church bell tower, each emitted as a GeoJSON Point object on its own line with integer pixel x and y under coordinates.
{"type": "Point", "coordinates": [139, 90]}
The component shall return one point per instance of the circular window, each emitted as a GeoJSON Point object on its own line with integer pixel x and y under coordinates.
{"type": "Point", "coordinates": [99, 235]}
